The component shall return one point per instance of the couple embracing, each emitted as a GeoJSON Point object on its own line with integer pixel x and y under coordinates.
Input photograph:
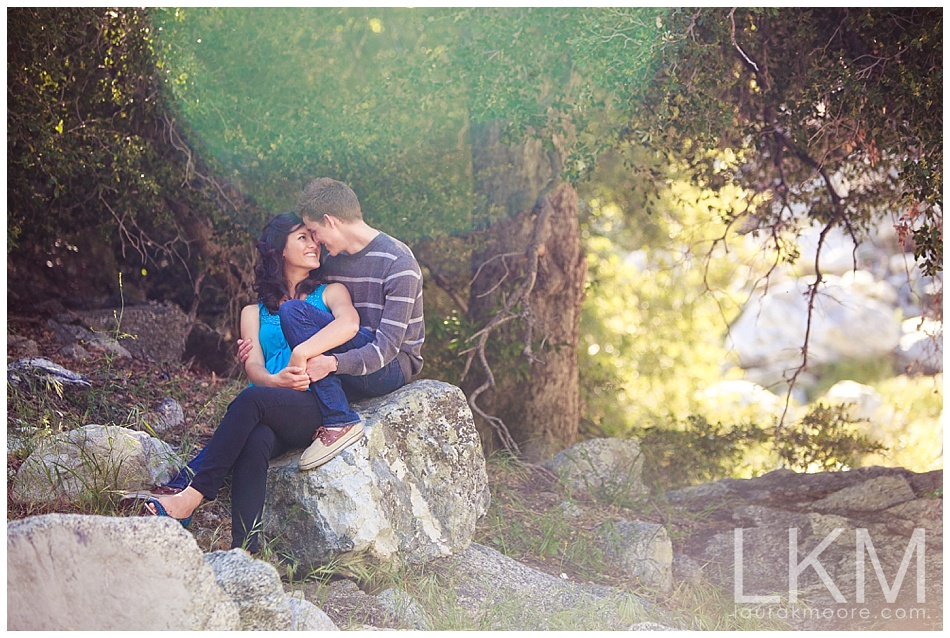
{"type": "Point", "coordinates": [320, 336]}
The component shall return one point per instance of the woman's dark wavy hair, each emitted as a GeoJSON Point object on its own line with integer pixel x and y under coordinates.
{"type": "Point", "coordinates": [269, 282]}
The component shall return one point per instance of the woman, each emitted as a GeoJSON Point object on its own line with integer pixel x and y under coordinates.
{"type": "Point", "coordinates": [276, 412]}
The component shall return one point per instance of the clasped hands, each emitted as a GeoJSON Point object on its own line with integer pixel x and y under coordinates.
{"type": "Point", "coordinates": [315, 368]}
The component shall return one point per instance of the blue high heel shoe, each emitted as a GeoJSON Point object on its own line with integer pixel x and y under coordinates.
{"type": "Point", "coordinates": [160, 511]}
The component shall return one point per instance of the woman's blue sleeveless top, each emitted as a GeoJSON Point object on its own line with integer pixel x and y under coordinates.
{"type": "Point", "coordinates": [275, 346]}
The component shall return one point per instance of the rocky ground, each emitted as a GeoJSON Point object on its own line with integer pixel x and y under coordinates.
{"type": "Point", "coordinates": [551, 530]}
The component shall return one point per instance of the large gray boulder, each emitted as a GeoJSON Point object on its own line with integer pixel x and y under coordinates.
{"type": "Point", "coordinates": [862, 549]}
{"type": "Point", "coordinates": [852, 319]}
{"type": "Point", "coordinates": [66, 571]}
{"type": "Point", "coordinates": [410, 491]}
{"type": "Point", "coordinates": [91, 460]}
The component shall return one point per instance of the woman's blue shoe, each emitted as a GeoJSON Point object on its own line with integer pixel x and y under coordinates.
{"type": "Point", "coordinates": [160, 511]}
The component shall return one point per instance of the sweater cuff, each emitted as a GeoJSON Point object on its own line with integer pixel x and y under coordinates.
{"type": "Point", "coordinates": [348, 365]}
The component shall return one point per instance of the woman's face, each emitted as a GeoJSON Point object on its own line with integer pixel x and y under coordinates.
{"type": "Point", "coordinates": [301, 251]}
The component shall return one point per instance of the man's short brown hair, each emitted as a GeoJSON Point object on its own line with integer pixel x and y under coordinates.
{"type": "Point", "coordinates": [325, 196]}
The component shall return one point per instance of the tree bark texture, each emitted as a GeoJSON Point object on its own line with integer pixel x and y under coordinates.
{"type": "Point", "coordinates": [536, 391]}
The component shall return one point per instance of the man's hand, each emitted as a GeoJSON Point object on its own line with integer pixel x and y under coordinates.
{"type": "Point", "coordinates": [244, 349]}
{"type": "Point", "coordinates": [320, 366]}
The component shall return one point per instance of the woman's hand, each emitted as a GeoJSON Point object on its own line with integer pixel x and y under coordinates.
{"type": "Point", "coordinates": [293, 377]}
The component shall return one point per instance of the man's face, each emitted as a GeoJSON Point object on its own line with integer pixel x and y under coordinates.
{"type": "Point", "coordinates": [323, 234]}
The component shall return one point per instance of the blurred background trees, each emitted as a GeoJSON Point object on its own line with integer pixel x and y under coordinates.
{"type": "Point", "coordinates": [571, 180]}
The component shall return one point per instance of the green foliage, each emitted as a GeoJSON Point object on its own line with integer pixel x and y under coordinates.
{"type": "Point", "coordinates": [275, 97]}
{"type": "Point", "coordinates": [696, 451]}
{"type": "Point", "coordinates": [660, 296]}
{"type": "Point", "coordinates": [831, 109]}
{"type": "Point", "coordinates": [678, 454]}
{"type": "Point", "coordinates": [823, 440]}
{"type": "Point", "coordinates": [98, 180]}
{"type": "Point", "coordinates": [864, 371]}
{"type": "Point", "coordinates": [384, 99]}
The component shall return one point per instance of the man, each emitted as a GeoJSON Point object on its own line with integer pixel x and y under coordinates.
{"type": "Point", "coordinates": [385, 284]}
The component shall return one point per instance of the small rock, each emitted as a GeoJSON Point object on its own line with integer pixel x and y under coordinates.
{"type": "Point", "coordinates": [500, 592]}
{"type": "Point", "coordinates": [608, 468]}
{"type": "Point", "coordinates": [570, 510]}
{"type": "Point", "coordinates": [167, 415]}
{"type": "Point", "coordinates": [255, 588]}
{"type": "Point", "coordinates": [70, 334]}
{"type": "Point", "coordinates": [863, 401]}
{"type": "Point", "coordinates": [92, 460]}
{"type": "Point", "coordinates": [45, 371]}
{"type": "Point", "coordinates": [404, 607]}
{"type": "Point", "coordinates": [352, 609]}
{"type": "Point", "coordinates": [686, 570]}
{"type": "Point", "coordinates": [650, 626]}
{"type": "Point", "coordinates": [21, 347]}
{"type": "Point", "coordinates": [75, 352]}
{"type": "Point", "coordinates": [308, 617]}
{"type": "Point", "coordinates": [643, 550]}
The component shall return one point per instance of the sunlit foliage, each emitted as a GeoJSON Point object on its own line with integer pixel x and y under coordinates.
{"type": "Point", "coordinates": [276, 97]}
{"type": "Point", "coordinates": [839, 110]}
{"type": "Point", "coordinates": [662, 292]}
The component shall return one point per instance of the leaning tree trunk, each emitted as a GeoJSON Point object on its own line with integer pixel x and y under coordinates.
{"type": "Point", "coordinates": [532, 357]}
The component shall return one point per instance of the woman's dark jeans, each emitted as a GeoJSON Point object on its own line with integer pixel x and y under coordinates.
{"type": "Point", "coordinates": [260, 423]}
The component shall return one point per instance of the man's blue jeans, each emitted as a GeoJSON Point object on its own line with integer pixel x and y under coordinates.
{"type": "Point", "coordinates": [300, 321]}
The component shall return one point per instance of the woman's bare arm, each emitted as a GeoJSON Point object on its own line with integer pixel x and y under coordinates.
{"type": "Point", "coordinates": [290, 377]}
{"type": "Point", "coordinates": [345, 324]}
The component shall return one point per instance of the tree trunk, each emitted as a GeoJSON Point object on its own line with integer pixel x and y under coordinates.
{"type": "Point", "coordinates": [536, 391]}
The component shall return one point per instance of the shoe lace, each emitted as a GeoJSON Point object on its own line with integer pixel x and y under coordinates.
{"type": "Point", "coordinates": [319, 433]}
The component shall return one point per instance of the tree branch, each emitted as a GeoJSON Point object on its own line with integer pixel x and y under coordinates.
{"type": "Point", "coordinates": [506, 314]}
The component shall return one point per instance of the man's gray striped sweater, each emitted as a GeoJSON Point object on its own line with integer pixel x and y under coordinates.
{"type": "Point", "coordinates": [385, 283]}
